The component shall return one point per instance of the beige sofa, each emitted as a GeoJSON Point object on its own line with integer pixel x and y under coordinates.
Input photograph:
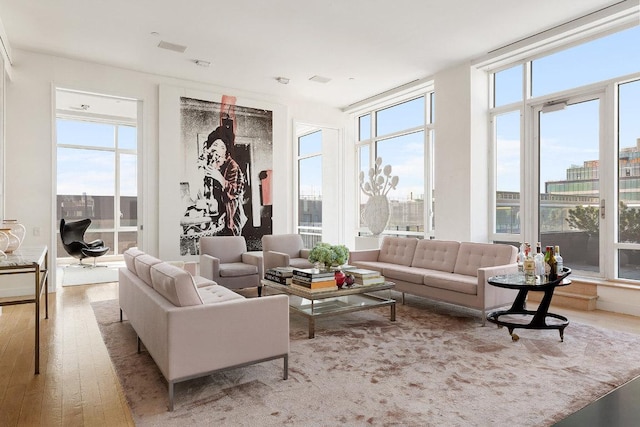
{"type": "Point", "coordinates": [447, 271]}
{"type": "Point", "coordinates": [193, 327]}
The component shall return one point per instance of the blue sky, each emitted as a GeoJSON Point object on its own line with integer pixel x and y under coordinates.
{"type": "Point", "coordinates": [93, 171]}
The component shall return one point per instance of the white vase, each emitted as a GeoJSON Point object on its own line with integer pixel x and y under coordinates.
{"type": "Point", "coordinates": [17, 229]}
{"type": "Point", "coordinates": [14, 241]}
{"type": "Point", "coordinates": [4, 243]}
{"type": "Point", "coordinates": [376, 214]}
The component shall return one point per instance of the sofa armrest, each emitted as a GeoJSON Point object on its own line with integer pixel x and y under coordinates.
{"type": "Point", "coordinates": [364, 255]}
{"type": "Point", "coordinates": [191, 267]}
{"type": "Point", "coordinates": [254, 260]}
{"type": "Point", "coordinates": [273, 259]}
{"type": "Point", "coordinates": [304, 253]}
{"type": "Point", "coordinates": [216, 336]}
{"type": "Point", "coordinates": [209, 266]}
{"type": "Point", "coordinates": [487, 272]}
{"type": "Point", "coordinates": [493, 295]}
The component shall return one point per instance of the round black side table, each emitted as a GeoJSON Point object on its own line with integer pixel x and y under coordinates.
{"type": "Point", "coordinates": [518, 316]}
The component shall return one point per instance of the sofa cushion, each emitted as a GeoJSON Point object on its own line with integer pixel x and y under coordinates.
{"type": "Point", "coordinates": [472, 256]}
{"type": "Point", "coordinates": [175, 284]}
{"type": "Point", "coordinates": [129, 258]}
{"type": "Point", "coordinates": [143, 264]}
{"type": "Point", "coordinates": [237, 269]}
{"type": "Point", "coordinates": [462, 283]}
{"type": "Point", "coordinates": [404, 273]}
{"type": "Point", "coordinates": [436, 255]}
{"type": "Point", "coordinates": [201, 282]}
{"type": "Point", "coordinates": [300, 263]}
{"type": "Point", "coordinates": [216, 293]}
{"type": "Point", "coordinates": [397, 250]}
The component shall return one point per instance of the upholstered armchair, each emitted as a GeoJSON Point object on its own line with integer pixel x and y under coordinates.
{"type": "Point", "coordinates": [224, 260]}
{"type": "Point", "coordinates": [284, 250]}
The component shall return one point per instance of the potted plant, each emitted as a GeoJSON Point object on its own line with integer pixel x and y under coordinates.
{"type": "Point", "coordinates": [329, 255]}
{"type": "Point", "coordinates": [332, 257]}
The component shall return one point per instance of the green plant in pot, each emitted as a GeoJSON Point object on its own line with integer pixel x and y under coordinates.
{"type": "Point", "coordinates": [329, 255]}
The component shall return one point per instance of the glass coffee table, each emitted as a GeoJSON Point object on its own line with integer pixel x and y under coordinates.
{"type": "Point", "coordinates": [313, 305]}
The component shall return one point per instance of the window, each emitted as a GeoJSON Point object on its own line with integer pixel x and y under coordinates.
{"type": "Point", "coordinates": [507, 129]}
{"type": "Point", "coordinates": [97, 177]}
{"type": "Point", "coordinates": [401, 134]}
{"type": "Point", "coordinates": [601, 59]}
{"type": "Point", "coordinates": [310, 186]}
{"type": "Point", "coordinates": [629, 180]}
{"type": "Point", "coordinates": [560, 139]}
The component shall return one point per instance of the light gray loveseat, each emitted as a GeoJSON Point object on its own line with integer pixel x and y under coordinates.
{"type": "Point", "coordinates": [447, 271]}
{"type": "Point", "coordinates": [193, 327]}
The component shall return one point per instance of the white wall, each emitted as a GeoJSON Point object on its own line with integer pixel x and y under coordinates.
{"type": "Point", "coordinates": [30, 142]}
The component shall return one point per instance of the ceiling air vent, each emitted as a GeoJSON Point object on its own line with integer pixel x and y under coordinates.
{"type": "Point", "coordinates": [172, 46]}
{"type": "Point", "coordinates": [320, 79]}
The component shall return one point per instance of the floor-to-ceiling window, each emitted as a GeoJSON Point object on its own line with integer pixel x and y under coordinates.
{"type": "Point", "coordinates": [400, 133]}
{"type": "Point", "coordinates": [97, 168]}
{"type": "Point", "coordinates": [310, 185]}
{"type": "Point", "coordinates": [566, 150]}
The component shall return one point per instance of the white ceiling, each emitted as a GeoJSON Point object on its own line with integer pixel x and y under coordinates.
{"type": "Point", "coordinates": [365, 47]}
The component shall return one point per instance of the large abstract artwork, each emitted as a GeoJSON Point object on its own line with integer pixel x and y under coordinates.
{"type": "Point", "coordinates": [225, 184]}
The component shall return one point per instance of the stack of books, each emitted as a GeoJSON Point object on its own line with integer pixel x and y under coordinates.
{"type": "Point", "coordinates": [282, 275]}
{"type": "Point", "coordinates": [366, 277]}
{"type": "Point", "coordinates": [312, 280]}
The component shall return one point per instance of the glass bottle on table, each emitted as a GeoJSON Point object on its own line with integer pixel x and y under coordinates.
{"type": "Point", "coordinates": [529, 268]}
{"type": "Point", "coordinates": [559, 260]}
{"type": "Point", "coordinates": [547, 266]}
{"type": "Point", "coordinates": [553, 267]}
{"type": "Point", "coordinates": [539, 262]}
{"type": "Point", "coordinates": [520, 258]}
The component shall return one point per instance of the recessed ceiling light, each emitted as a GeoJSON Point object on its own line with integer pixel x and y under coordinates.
{"type": "Point", "coordinates": [320, 79]}
{"type": "Point", "coordinates": [283, 80]}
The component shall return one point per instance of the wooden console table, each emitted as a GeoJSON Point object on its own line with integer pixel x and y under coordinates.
{"type": "Point", "coordinates": [34, 261]}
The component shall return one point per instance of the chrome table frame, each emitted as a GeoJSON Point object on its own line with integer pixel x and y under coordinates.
{"type": "Point", "coordinates": [34, 261]}
{"type": "Point", "coordinates": [314, 305]}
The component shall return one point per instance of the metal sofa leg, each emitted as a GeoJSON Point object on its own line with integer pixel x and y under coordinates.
{"type": "Point", "coordinates": [170, 396]}
{"type": "Point", "coordinates": [286, 367]}
{"type": "Point", "coordinates": [120, 315]}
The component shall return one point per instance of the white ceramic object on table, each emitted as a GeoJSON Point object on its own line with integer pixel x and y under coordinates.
{"type": "Point", "coordinates": [14, 241]}
{"type": "Point", "coordinates": [18, 229]}
{"type": "Point", "coordinates": [4, 243]}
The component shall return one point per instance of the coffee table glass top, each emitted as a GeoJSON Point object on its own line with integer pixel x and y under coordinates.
{"type": "Point", "coordinates": [319, 304]}
{"type": "Point", "coordinates": [517, 280]}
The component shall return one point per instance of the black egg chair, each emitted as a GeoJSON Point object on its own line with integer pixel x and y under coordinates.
{"type": "Point", "coordinates": [72, 236]}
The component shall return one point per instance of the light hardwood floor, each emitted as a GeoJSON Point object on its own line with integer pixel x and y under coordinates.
{"type": "Point", "coordinates": [77, 384]}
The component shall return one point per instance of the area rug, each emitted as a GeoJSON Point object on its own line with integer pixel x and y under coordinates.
{"type": "Point", "coordinates": [73, 275]}
{"type": "Point", "coordinates": [434, 366]}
